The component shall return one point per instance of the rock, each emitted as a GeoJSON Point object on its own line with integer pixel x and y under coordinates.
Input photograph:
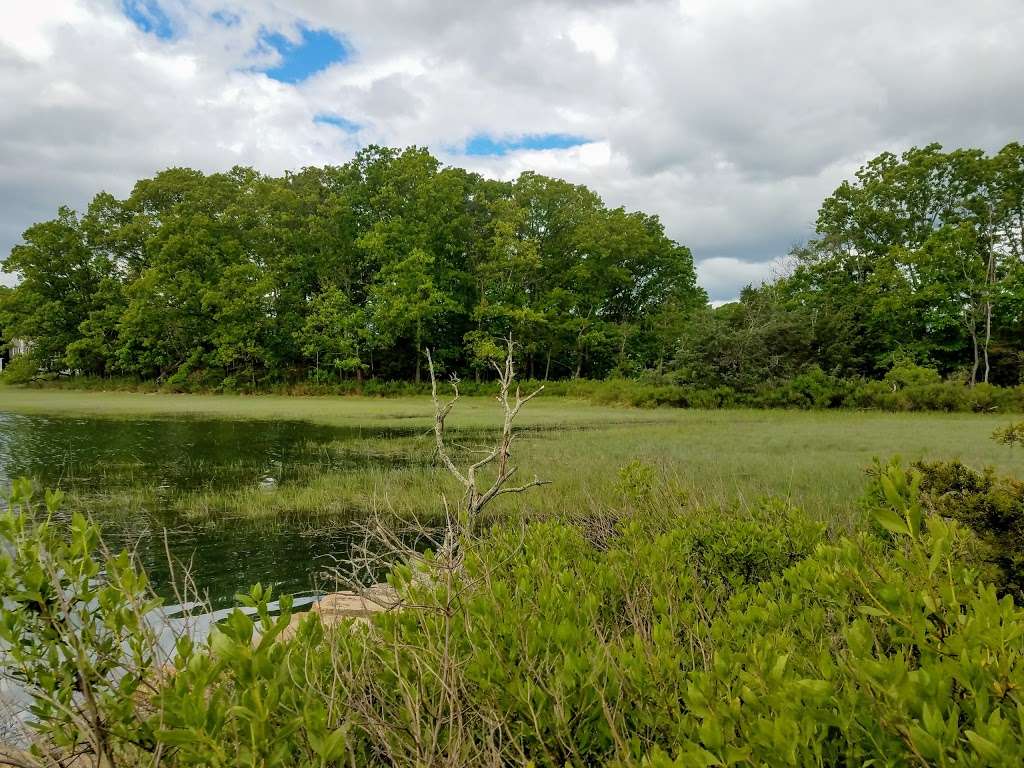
{"type": "Point", "coordinates": [336, 607]}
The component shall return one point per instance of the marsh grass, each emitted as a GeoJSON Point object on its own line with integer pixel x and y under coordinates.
{"type": "Point", "coordinates": [814, 460]}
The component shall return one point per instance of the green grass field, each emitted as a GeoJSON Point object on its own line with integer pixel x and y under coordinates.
{"type": "Point", "coordinates": [814, 459]}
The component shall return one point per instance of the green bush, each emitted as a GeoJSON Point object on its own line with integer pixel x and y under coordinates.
{"type": "Point", "coordinates": [690, 638]}
{"type": "Point", "coordinates": [992, 506]}
{"type": "Point", "coordinates": [20, 370]}
{"type": "Point", "coordinates": [812, 389]}
{"type": "Point", "coordinates": [906, 373]}
{"type": "Point", "coordinates": [73, 630]}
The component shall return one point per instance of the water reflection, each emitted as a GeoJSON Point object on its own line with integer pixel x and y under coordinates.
{"type": "Point", "coordinates": [176, 456]}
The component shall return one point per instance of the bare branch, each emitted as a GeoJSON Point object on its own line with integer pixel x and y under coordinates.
{"type": "Point", "coordinates": [519, 489]}
{"type": "Point", "coordinates": [475, 499]}
{"type": "Point", "coordinates": [440, 414]}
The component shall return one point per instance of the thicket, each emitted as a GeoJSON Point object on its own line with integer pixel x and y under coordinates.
{"type": "Point", "coordinates": [654, 636]}
{"type": "Point", "coordinates": [991, 505]}
{"type": "Point", "coordinates": [812, 390]}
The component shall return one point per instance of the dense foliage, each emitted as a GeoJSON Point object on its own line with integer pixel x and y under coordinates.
{"type": "Point", "coordinates": [919, 259]}
{"type": "Point", "coordinates": [338, 274]}
{"type": "Point", "coordinates": [992, 506]}
{"type": "Point", "coordinates": [344, 272]}
{"type": "Point", "coordinates": [649, 637]}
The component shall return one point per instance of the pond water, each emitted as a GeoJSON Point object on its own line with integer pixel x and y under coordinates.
{"type": "Point", "coordinates": [100, 457]}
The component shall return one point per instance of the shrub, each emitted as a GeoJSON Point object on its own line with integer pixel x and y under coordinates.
{"type": "Point", "coordinates": [992, 506]}
{"type": "Point", "coordinates": [74, 630]}
{"type": "Point", "coordinates": [812, 389]}
{"type": "Point", "coordinates": [906, 373]}
{"type": "Point", "coordinates": [695, 638]}
{"type": "Point", "coordinates": [20, 370]}
{"type": "Point", "coordinates": [1011, 434]}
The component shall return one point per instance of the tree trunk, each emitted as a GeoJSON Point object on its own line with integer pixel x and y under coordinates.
{"type": "Point", "coordinates": [990, 279]}
{"type": "Point", "coordinates": [547, 367]}
{"type": "Point", "coordinates": [479, 324]}
{"type": "Point", "coordinates": [418, 352]}
{"type": "Point", "coordinates": [974, 346]}
{"type": "Point", "coordinates": [988, 336]}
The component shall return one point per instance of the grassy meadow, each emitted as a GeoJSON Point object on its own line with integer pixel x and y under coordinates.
{"type": "Point", "coordinates": [814, 459]}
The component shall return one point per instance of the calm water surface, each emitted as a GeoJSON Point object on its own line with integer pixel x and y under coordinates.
{"type": "Point", "coordinates": [94, 456]}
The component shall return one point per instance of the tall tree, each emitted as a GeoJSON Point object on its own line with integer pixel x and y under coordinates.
{"type": "Point", "coordinates": [405, 298]}
{"type": "Point", "coordinates": [60, 280]}
{"type": "Point", "coordinates": [221, 275]}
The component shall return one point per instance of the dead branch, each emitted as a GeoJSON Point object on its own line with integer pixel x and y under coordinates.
{"type": "Point", "coordinates": [477, 497]}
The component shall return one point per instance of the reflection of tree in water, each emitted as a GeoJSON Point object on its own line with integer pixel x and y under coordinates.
{"type": "Point", "coordinates": [179, 454]}
{"type": "Point", "coordinates": [182, 455]}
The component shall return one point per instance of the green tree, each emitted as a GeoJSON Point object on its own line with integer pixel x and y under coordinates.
{"type": "Point", "coordinates": [60, 279]}
{"type": "Point", "coordinates": [920, 253]}
{"type": "Point", "coordinates": [219, 274]}
{"type": "Point", "coordinates": [335, 333]}
{"type": "Point", "coordinates": [405, 298]}
{"type": "Point", "coordinates": [242, 310]}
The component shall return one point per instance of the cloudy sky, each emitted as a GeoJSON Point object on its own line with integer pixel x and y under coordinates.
{"type": "Point", "coordinates": [731, 119]}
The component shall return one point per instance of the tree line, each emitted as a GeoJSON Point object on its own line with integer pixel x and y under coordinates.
{"type": "Point", "coordinates": [347, 271]}
{"type": "Point", "coordinates": [918, 261]}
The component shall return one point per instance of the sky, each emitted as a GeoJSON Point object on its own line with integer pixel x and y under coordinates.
{"type": "Point", "coordinates": [730, 119]}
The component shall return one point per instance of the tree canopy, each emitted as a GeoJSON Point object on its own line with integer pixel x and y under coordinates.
{"type": "Point", "coordinates": [346, 271]}
{"type": "Point", "coordinates": [919, 259]}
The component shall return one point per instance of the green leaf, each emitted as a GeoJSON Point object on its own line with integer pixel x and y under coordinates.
{"type": "Point", "coordinates": [984, 747]}
{"type": "Point", "coordinates": [890, 521]}
{"type": "Point", "coordinates": [779, 667]}
{"type": "Point", "coordinates": [870, 610]}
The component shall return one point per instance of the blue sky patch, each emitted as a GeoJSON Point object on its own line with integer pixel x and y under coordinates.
{"type": "Point", "coordinates": [337, 121]}
{"type": "Point", "coordinates": [317, 50]}
{"type": "Point", "coordinates": [148, 16]}
{"type": "Point", "coordinates": [482, 144]}
{"type": "Point", "coordinates": [227, 18]}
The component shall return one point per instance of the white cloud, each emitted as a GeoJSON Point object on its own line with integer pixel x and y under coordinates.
{"type": "Point", "coordinates": [723, 276]}
{"type": "Point", "coordinates": [594, 38]}
{"type": "Point", "coordinates": [28, 29]}
{"type": "Point", "coordinates": [731, 119]}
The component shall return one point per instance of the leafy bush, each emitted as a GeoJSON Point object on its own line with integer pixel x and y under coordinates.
{"type": "Point", "coordinates": [812, 389]}
{"type": "Point", "coordinates": [20, 370]}
{"type": "Point", "coordinates": [79, 629]}
{"type": "Point", "coordinates": [992, 506]}
{"type": "Point", "coordinates": [79, 642]}
{"type": "Point", "coordinates": [694, 638]}
{"type": "Point", "coordinates": [906, 373]}
{"type": "Point", "coordinates": [1011, 434]}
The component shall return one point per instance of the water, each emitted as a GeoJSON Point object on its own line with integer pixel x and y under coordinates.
{"type": "Point", "coordinates": [99, 457]}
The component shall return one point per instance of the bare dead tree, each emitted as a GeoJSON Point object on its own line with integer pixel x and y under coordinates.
{"type": "Point", "coordinates": [478, 495]}
{"type": "Point", "coordinates": [407, 721]}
